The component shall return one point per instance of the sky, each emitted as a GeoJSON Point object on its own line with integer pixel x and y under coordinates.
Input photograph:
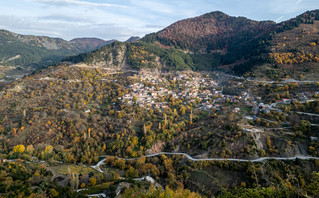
{"type": "Point", "coordinates": [121, 19]}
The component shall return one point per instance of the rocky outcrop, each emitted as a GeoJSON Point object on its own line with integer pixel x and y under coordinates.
{"type": "Point", "coordinates": [114, 58]}
{"type": "Point", "coordinates": [156, 148]}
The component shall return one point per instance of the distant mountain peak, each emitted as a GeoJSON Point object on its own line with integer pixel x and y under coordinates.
{"type": "Point", "coordinates": [133, 39]}
{"type": "Point", "coordinates": [91, 43]}
{"type": "Point", "coordinates": [215, 14]}
{"type": "Point", "coordinates": [87, 39]}
{"type": "Point", "coordinates": [212, 31]}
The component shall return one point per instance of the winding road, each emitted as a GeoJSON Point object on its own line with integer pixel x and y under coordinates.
{"type": "Point", "coordinates": [97, 166]}
{"type": "Point", "coordinates": [270, 82]}
{"type": "Point", "coordinates": [305, 113]}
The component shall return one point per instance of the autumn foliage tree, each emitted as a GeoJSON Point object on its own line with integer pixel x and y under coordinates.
{"type": "Point", "coordinates": [19, 148]}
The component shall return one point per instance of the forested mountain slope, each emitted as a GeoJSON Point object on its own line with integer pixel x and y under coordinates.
{"type": "Point", "coordinates": [25, 50]}
{"type": "Point", "coordinates": [238, 45]}
{"type": "Point", "coordinates": [22, 54]}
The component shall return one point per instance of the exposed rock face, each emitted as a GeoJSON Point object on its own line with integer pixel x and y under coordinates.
{"type": "Point", "coordinates": [115, 58]}
{"type": "Point", "coordinates": [259, 140]}
{"type": "Point", "coordinates": [43, 41]}
{"type": "Point", "coordinates": [17, 88]}
{"type": "Point", "coordinates": [297, 149]}
{"type": "Point", "coordinates": [156, 148]}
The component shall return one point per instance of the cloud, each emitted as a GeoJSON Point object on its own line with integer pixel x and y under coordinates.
{"type": "Point", "coordinates": [32, 26]}
{"type": "Point", "coordinates": [77, 3]}
{"type": "Point", "coordinates": [153, 26]}
{"type": "Point", "coordinates": [63, 18]}
{"type": "Point", "coordinates": [39, 32]}
{"type": "Point", "coordinates": [299, 1]}
{"type": "Point", "coordinates": [286, 7]}
{"type": "Point", "coordinates": [278, 20]}
{"type": "Point", "coordinates": [26, 26]}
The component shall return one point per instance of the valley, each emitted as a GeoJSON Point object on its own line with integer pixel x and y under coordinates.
{"type": "Point", "coordinates": [197, 116]}
{"type": "Point", "coordinates": [227, 108]}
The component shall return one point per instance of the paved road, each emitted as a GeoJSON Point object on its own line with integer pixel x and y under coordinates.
{"type": "Point", "coordinates": [97, 195]}
{"type": "Point", "coordinates": [271, 82]}
{"type": "Point", "coordinates": [59, 79]}
{"type": "Point", "coordinates": [305, 113]}
{"type": "Point", "coordinates": [97, 166]}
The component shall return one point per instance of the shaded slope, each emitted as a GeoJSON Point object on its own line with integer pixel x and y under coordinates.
{"type": "Point", "coordinates": [291, 50]}
{"type": "Point", "coordinates": [35, 51]}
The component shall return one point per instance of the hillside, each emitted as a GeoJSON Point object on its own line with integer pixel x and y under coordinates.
{"type": "Point", "coordinates": [237, 44]}
{"type": "Point", "coordinates": [210, 32]}
{"type": "Point", "coordinates": [216, 36]}
{"type": "Point", "coordinates": [68, 115]}
{"type": "Point", "coordinates": [136, 55]}
{"type": "Point", "coordinates": [21, 54]}
{"type": "Point", "coordinates": [293, 51]}
{"type": "Point", "coordinates": [24, 50]}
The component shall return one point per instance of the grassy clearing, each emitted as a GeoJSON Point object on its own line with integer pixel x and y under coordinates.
{"type": "Point", "coordinates": [245, 109]}
{"type": "Point", "coordinates": [203, 114]}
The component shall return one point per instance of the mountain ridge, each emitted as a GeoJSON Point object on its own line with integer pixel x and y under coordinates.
{"type": "Point", "coordinates": [206, 32]}
{"type": "Point", "coordinates": [208, 42]}
{"type": "Point", "coordinates": [22, 54]}
{"type": "Point", "coordinates": [205, 43]}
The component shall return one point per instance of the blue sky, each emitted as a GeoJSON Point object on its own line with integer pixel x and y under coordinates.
{"type": "Point", "coordinates": [120, 19]}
